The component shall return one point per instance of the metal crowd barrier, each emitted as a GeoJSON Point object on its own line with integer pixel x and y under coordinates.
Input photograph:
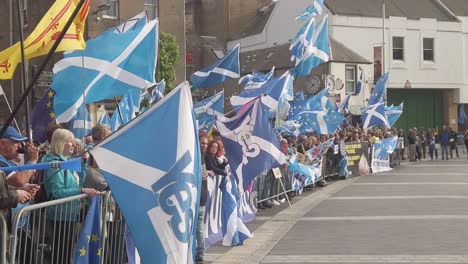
{"type": "Point", "coordinates": [113, 235]}
{"type": "Point", "coordinates": [47, 232]}
{"type": "Point", "coordinates": [3, 239]}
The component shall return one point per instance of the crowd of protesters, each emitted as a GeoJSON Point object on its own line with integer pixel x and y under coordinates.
{"type": "Point", "coordinates": [61, 145]}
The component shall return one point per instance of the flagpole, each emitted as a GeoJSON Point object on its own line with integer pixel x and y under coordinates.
{"type": "Point", "coordinates": [41, 68]}
{"type": "Point", "coordinates": [118, 110]}
{"type": "Point", "coordinates": [9, 107]}
{"type": "Point", "coordinates": [383, 36]}
{"type": "Point", "coordinates": [23, 68]}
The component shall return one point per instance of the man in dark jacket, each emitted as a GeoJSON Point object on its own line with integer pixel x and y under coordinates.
{"type": "Point", "coordinates": [444, 142]}
{"type": "Point", "coordinates": [453, 143]}
{"type": "Point", "coordinates": [203, 196]}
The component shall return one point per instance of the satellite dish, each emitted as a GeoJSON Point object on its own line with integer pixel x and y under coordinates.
{"type": "Point", "coordinates": [339, 84]}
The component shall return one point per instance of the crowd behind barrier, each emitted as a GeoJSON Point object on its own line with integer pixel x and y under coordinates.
{"type": "Point", "coordinates": [48, 232]}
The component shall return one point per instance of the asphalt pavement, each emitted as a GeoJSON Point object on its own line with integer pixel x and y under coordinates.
{"type": "Point", "coordinates": [416, 213]}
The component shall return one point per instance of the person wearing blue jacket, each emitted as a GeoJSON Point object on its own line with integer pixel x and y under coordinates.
{"type": "Point", "coordinates": [59, 183]}
{"type": "Point", "coordinates": [444, 142]}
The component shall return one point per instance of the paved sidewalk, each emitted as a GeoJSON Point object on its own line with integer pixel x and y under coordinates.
{"type": "Point", "coordinates": [416, 213]}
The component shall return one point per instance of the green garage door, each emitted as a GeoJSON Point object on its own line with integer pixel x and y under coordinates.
{"type": "Point", "coordinates": [422, 108]}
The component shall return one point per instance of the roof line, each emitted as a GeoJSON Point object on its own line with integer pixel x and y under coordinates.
{"type": "Point", "coordinates": [446, 9]}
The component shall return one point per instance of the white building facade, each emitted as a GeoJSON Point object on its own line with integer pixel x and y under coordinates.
{"type": "Point", "coordinates": [426, 52]}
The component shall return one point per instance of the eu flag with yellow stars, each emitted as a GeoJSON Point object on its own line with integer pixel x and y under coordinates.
{"type": "Point", "coordinates": [89, 247]}
{"type": "Point", "coordinates": [42, 115]}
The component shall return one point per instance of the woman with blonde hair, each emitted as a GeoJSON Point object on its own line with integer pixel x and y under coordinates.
{"type": "Point", "coordinates": [60, 183]}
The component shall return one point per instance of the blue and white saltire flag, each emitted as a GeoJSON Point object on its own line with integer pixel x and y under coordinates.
{"type": "Point", "coordinates": [289, 128]}
{"type": "Point", "coordinates": [250, 142]}
{"type": "Point", "coordinates": [374, 115]}
{"type": "Point", "coordinates": [207, 110]}
{"type": "Point", "coordinates": [256, 79]}
{"type": "Point", "coordinates": [462, 115]}
{"type": "Point", "coordinates": [81, 124]}
{"type": "Point", "coordinates": [361, 83]}
{"type": "Point", "coordinates": [235, 232]}
{"type": "Point", "coordinates": [316, 50]}
{"type": "Point", "coordinates": [105, 120]}
{"type": "Point", "coordinates": [272, 91]}
{"type": "Point", "coordinates": [380, 90]}
{"type": "Point", "coordinates": [302, 40]}
{"type": "Point", "coordinates": [164, 182]}
{"type": "Point", "coordinates": [320, 102]}
{"type": "Point", "coordinates": [310, 174]}
{"type": "Point", "coordinates": [393, 113]}
{"type": "Point", "coordinates": [108, 72]}
{"type": "Point", "coordinates": [343, 107]}
{"type": "Point", "coordinates": [115, 121]}
{"type": "Point", "coordinates": [323, 122]}
{"type": "Point", "coordinates": [312, 11]}
{"type": "Point", "coordinates": [126, 107]}
{"type": "Point", "coordinates": [381, 154]}
{"type": "Point", "coordinates": [225, 68]}
{"type": "Point", "coordinates": [158, 92]}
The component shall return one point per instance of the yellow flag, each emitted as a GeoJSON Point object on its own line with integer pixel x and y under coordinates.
{"type": "Point", "coordinates": [41, 40]}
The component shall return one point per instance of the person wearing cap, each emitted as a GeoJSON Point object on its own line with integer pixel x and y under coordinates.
{"type": "Point", "coordinates": [9, 198]}
{"type": "Point", "coordinates": [9, 145]}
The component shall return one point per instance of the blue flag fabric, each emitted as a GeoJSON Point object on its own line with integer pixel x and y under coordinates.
{"type": "Point", "coordinates": [158, 92]}
{"type": "Point", "coordinates": [274, 90]}
{"type": "Point", "coordinates": [393, 113]}
{"type": "Point", "coordinates": [128, 62]}
{"type": "Point", "coordinates": [81, 124]}
{"type": "Point", "coordinates": [323, 122]}
{"type": "Point", "coordinates": [250, 142]}
{"type": "Point", "coordinates": [462, 115]}
{"type": "Point", "coordinates": [105, 120]}
{"type": "Point", "coordinates": [227, 67]}
{"type": "Point", "coordinates": [380, 90]}
{"type": "Point", "coordinates": [115, 121]}
{"type": "Point", "coordinates": [374, 115]}
{"type": "Point", "coordinates": [344, 106]}
{"type": "Point", "coordinates": [314, 50]}
{"type": "Point", "coordinates": [298, 105]}
{"type": "Point", "coordinates": [311, 11]}
{"type": "Point", "coordinates": [289, 128]}
{"type": "Point", "coordinates": [310, 174]}
{"type": "Point", "coordinates": [385, 147]}
{"type": "Point", "coordinates": [164, 181]}
{"type": "Point", "coordinates": [343, 167]}
{"type": "Point", "coordinates": [126, 107]}
{"type": "Point", "coordinates": [234, 230]}
{"type": "Point", "coordinates": [42, 115]}
{"type": "Point", "coordinates": [89, 247]}
{"type": "Point", "coordinates": [256, 79]}
{"type": "Point", "coordinates": [361, 83]}
{"type": "Point", "coordinates": [207, 110]}
{"type": "Point", "coordinates": [320, 102]}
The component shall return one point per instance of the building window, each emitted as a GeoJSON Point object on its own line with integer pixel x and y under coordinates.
{"type": "Point", "coordinates": [398, 48]}
{"type": "Point", "coordinates": [350, 79]}
{"type": "Point", "coordinates": [113, 10]}
{"type": "Point", "coordinates": [151, 8]}
{"type": "Point", "coordinates": [428, 49]}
